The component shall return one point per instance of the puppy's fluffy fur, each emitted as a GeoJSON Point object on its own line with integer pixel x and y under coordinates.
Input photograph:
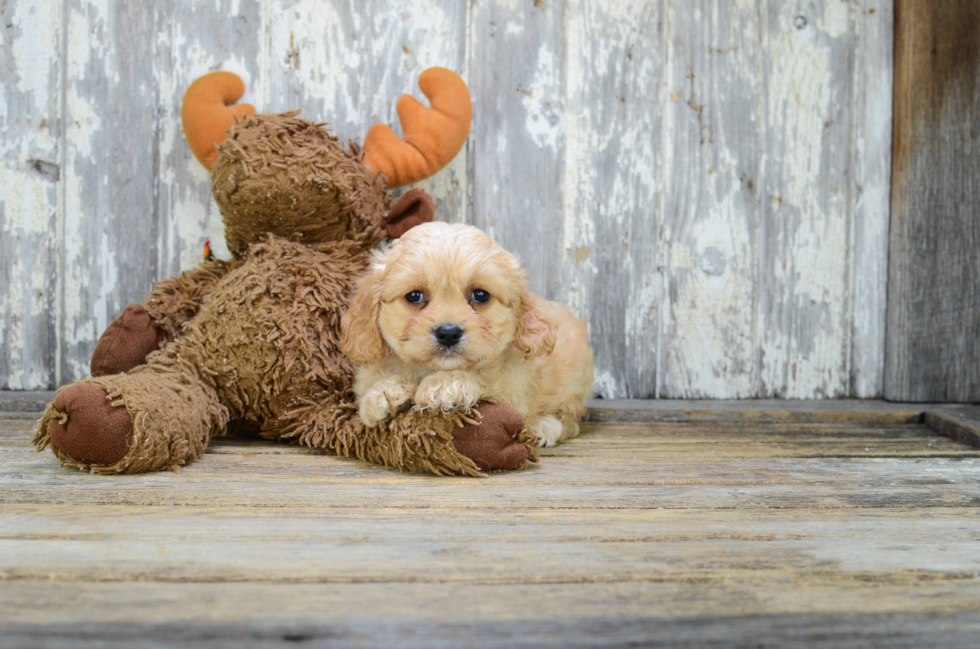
{"type": "Point", "coordinates": [515, 347]}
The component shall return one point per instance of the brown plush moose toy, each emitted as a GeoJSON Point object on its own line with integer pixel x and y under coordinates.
{"type": "Point", "coordinates": [257, 338]}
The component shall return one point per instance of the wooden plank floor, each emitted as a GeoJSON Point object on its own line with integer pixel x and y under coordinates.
{"type": "Point", "coordinates": [737, 529]}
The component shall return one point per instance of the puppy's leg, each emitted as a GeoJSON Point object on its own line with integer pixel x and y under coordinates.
{"type": "Point", "coordinates": [557, 428]}
{"type": "Point", "coordinates": [384, 400]}
{"type": "Point", "coordinates": [548, 428]}
{"type": "Point", "coordinates": [447, 391]}
{"type": "Point", "coordinates": [569, 427]}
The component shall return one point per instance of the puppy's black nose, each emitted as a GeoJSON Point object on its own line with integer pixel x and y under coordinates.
{"type": "Point", "coordinates": [447, 335]}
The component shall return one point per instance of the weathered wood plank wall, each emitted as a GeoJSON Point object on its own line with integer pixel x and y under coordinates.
{"type": "Point", "coordinates": [934, 273]}
{"type": "Point", "coordinates": [31, 142]}
{"type": "Point", "coordinates": [706, 182]}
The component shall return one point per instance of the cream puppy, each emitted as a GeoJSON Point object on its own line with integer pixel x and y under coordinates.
{"type": "Point", "coordinates": [444, 319]}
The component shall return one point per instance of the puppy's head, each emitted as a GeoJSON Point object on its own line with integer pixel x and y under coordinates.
{"type": "Point", "coordinates": [447, 297]}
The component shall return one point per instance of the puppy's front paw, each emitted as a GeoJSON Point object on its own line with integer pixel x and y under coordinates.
{"type": "Point", "coordinates": [447, 391]}
{"type": "Point", "coordinates": [383, 401]}
{"type": "Point", "coordinates": [548, 430]}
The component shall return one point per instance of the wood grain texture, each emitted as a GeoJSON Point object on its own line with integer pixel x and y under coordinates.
{"type": "Point", "coordinates": [405, 547]}
{"type": "Point", "coordinates": [109, 181]}
{"type": "Point", "coordinates": [679, 534]}
{"type": "Point", "coordinates": [196, 37]}
{"type": "Point", "coordinates": [712, 206]}
{"type": "Point", "coordinates": [960, 423]}
{"type": "Point", "coordinates": [870, 162]}
{"type": "Point", "coordinates": [803, 290]}
{"type": "Point", "coordinates": [517, 53]}
{"type": "Point", "coordinates": [703, 182]}
{"type": "Point", "coordinates": [212, 605]}
{"type": "Point", "coordinates": [833, 631]}
{"type": "Point", "coordinates": [933, 350]}
{"type": "Point", "coordinates": [30, 173]}
{"type": "Point", "coordinates": [769, 172]}
{"type": "Point", "coordinates": [27, 404]}
{"type": "Point", "coordinates": [609, 255]}
{"type": "Point", "coordinates": [634, 466]}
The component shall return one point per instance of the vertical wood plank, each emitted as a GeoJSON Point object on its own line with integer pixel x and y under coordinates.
{"type": "Point", "coordinates": [347, 63]}
{"type": "Point", "coordinates": [516, 54]}
{"type": "Point", "coordinates": [715, 193]}
{"type": "Point", "coordinates": [933, 348]}
{"type": "Point", "coordinates": [608, 255]}
{"type": "Point", "coordinates": [803, 310]}
{"type": "Point", "coordinates": [194, 38]}
{"type": "Point", "coordinates": [30, 169]}
{"type": "Point", "coordinates": [870, 150]}
{"type": "Point", "coordinates": [110, 224]}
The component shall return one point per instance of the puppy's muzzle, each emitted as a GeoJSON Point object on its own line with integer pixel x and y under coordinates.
{"type": "Point", "coordinates": [448, 336]}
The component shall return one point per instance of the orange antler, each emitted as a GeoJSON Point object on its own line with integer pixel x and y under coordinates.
{"type": "Point", "coordinates": [207, 112]}
{"type": "Point", "coordinates": [433, 136]}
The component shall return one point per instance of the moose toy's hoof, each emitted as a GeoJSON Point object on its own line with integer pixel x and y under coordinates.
{"type": "Point", "coordinates": [492, 444]}
{"type": "Point", "coordinates": [126, 342]}
{"type": "Point", "coordinates": [91, 429]}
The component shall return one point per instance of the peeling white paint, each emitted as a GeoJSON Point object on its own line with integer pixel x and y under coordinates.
{"type": "Point", "coordinates": [36, 23]}
{"type": "Point", "coordinates": [609, 185]}
{"type": "Point", "coordinates": [836, 19]}
{"type": "Point", "coordinates": [196, 222]}
{"type": "Point", "coordinates": [191, 215]}
{"type": "Point", "coordinates": [14, 337]}
{"type": "Point", "coordinates": [580, 176]}
{"type": "Point", "coordinates": [871, 193]}
{"type": "Point", "coordinates": [639, 178]}
{"type": "Point", "coordinates": [804, 353]}
{"type": "Point", "coordinates": [606, 386]}
{"type": "Point", "coordinates": [542, 101]}
{"type": "Point", "coordinates": [29, 170]}
{"type": "Point", "coordinates": [640, 310]}
{"type": "Point", "coordinates": [25, 202]}
{"type": "Point", "coordinates": [109, 277]}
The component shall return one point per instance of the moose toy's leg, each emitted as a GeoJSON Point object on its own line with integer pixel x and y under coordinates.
{"type": "Point", "coordinates": [494, 438]}
{"type": "Point", "coordinates": [156, 417]}
{"type": "Point", "coordinates": [498, 439]}
{"type": "Point", "coordinates": [127, 341]}
{"type": "Point", "coordinates": [143, 329]}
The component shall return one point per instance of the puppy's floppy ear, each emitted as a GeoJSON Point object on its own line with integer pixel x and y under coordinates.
{"type": "Point", "coordinates": [535, 334]}
{"type": "Point", "coordinates": [360, 337]}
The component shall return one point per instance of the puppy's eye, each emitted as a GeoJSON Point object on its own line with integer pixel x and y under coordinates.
{"type": "Point", "coordinates": [480, 296]}
{"type": "Point", "coordinates": [415, 297]}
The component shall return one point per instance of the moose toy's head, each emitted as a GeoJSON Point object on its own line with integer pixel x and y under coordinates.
{"type": "Point", "coordinates": [290, 177]}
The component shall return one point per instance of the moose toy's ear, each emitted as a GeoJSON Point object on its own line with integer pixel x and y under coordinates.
{"type": "Point", "coordinates": [208, 112]}
{"type": "Point", "coordinates": [412, 208]}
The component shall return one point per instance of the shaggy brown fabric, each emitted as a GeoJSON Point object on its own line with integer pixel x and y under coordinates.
{"type": "Point", "coordinates": [257, 339]}
{"type": "Point", "coordinates": [141, 330]}
{"type": "Point", "coordinates": [176, 300]}
{"type": "Point", "coordinates": [127, 342]}
{"type": "Point", "coordinates": [287, 176]}
{"type": "Point", "coordinates": [173, 415]}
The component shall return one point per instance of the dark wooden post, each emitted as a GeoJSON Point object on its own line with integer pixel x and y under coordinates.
{"type": "Point", "coordinates": [933, 335]}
